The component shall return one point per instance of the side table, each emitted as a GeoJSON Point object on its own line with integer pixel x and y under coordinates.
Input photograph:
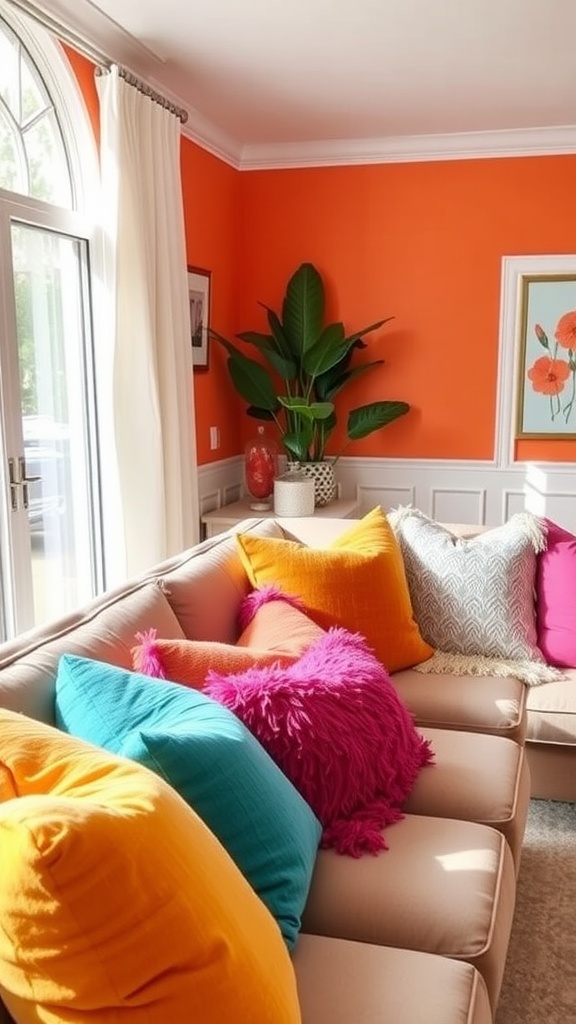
{"type": "Point", "coordinates": [221, 519]}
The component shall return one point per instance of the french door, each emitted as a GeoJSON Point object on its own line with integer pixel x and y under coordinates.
{"type": "Point", "coordinates": [50, 550]}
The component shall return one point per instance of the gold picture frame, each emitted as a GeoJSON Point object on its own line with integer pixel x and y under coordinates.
{"type": "Point", "coordinates": [546, 364]}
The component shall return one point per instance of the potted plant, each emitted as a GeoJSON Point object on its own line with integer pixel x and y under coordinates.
{"type": "Point", "coordinates": [313, 362]}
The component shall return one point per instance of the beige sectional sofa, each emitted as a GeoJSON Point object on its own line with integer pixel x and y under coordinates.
{"type": "Point", "coordinates": [417, 934]}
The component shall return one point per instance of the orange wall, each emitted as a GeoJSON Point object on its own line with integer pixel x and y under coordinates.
{"type": "Point", "coordinates": [84, 71]}
{"type": "Point", "coordinates": [420, 241]}
{"type": "Point", "coordinates": [211, 212]}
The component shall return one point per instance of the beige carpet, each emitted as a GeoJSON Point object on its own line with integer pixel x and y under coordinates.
{"type": "Point", "coordinates": [540, 978]}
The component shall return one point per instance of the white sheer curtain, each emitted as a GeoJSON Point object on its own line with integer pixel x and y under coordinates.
{"type": "Point", "coordinates": [150, 374]}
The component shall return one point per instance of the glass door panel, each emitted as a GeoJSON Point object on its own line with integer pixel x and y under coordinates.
{"type": "Point", "coordinates": [55, 476]}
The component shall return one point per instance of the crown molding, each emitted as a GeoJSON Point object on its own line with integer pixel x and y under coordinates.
{"type": "Point", "coordinates": [409, 149]}
{"type": "Point", "coordinates": [209, 137]}
{"type": "Point", "coordinates": [105, 38]}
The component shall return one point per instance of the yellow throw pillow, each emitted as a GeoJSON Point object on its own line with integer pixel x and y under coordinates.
{"type": "Point", "coordinates": [358, 583]}
{"type": "Point", "coordinates": [117, 903]}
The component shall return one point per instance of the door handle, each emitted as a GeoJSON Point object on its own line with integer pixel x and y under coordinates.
{"type": "Point", "coordinates": [19, 478]}
{"type": "Point", "coordinates": [25, 480]}
{"type": "Point", "coordinates": [14, 485]}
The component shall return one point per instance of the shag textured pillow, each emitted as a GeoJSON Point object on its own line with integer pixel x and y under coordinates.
{"type": "Point", "coordinates": [213, 762]}
{"type": "Point", "coordinates": [336, 726]}
{"type": "Point", "coordinates": [117, 903]}
{"type": "Point", "coordinates": [357, 583]}
{"type": "Point", "coordinates": [474, 598]}
{"type": "Point", "coordinates": [556, 597]}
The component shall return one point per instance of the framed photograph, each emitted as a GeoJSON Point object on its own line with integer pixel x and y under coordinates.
{"type": "Point", "coordinates": [199, 297]}
{"type": "Point", "coordinates": [546, 356]}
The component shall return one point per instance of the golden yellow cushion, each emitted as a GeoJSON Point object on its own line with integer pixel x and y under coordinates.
{"type": "Point", "coordinates": [358, 583]}
{"type": "Point", "coordinates": [117, 903]}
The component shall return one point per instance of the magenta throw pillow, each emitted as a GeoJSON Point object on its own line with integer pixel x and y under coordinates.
{"type": "Point", "coordinates": [338, 729]}
{"type": "Point", "coordinates": [556, 597]}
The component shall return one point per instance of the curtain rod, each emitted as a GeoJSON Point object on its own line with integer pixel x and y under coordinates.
{"type": "Point", "coordinates": [143, 87]}
{"type": "Point", "coordinates": [103, 61]}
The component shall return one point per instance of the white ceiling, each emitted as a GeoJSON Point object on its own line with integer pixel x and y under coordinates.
{"type": "Point", "coordinates": [293, 81]}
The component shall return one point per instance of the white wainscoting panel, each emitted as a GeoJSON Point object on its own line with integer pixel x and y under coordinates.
{"type": "Point", "coordinates": [455, 492]}
{"type": "Point", "coordinates": [220, 483]}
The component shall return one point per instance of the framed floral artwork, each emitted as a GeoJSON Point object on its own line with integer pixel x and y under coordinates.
{"type": "Point", "coordinates": [199, 297]}
{"type": "Point", "coordinates": [546, 371]}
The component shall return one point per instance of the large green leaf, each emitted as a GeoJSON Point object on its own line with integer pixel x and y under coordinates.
{"type": "Point", "coordinates": [253, 382]}
{"type": "Point", "coordinates": [298, 443]}
{"type": "Point", "coordinates": [368, 418]}
{"type": "Point", "coordinates": [329, 350]}
{"type": "Point", "coordinates": [259, 414]}
{"type": "Point", "coordinates": [280, 339]}
{"type": "Point", "coordinates": [281, 362]}
{"type": "Point", "coordinates": [303, 309]}
{"type": "Point", "coordinates": [310, 410]}
{"type": "Point", "coordinates": [263, 342]}
{"type": "Point", "coordinates": [331, 382]}
{"type": "Point", "coordinates": [366, 330]}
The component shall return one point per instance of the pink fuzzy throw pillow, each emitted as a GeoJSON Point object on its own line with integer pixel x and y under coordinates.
{"type": "Point", "coordinates": [336, 726]}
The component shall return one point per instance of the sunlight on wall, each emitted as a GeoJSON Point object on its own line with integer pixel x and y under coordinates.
{"type": "Point", "coordinates": [535, 489]}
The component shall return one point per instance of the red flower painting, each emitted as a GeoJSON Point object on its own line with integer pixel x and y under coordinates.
{"type": "Point", "coordinates": [554, 375]}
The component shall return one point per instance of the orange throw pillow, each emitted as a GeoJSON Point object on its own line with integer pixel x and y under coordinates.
{"type": "Point", "coordinates": [117, 903]}
{"type": "Point", "coordinates": [358, 583]}
{"type": "Point", "coordinates": [277, 633]}
{"type": "Point", "coordinates": [277, 625]}
{"type": "Point", "coordinates": [189, 661]}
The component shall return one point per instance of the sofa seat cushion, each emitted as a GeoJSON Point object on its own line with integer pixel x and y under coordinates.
{"type": "Point", "coordinates": [491, 704]}
{"type": "Point", "coordinates": [551, 711]}
{"type": "Point", "coordinates": [117, 903]}
{"type": "Point", "coordinates": [475, 777]}
{"type": "Point", "coordinates": [214, 763]}
{"type": "Point", "coordinates": [443, 886]}
{"type": "Point", "coordinates": [343, 982]}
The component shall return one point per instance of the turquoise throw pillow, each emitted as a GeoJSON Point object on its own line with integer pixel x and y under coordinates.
{"type": "Point", "coordinates": [213, 761]}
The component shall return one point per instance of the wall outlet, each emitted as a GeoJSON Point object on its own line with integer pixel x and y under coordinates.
{"type": "Point", "coordinates": [214, 438]}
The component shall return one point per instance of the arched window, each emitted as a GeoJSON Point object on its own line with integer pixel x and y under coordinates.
{"type": "Point", "coordinates": [33, 158]}
{"type": "Point", "coordinates": [50, 523]}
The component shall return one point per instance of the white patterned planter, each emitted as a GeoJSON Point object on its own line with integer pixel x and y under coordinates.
{"type": "Point", "coordinates": [324, 476]}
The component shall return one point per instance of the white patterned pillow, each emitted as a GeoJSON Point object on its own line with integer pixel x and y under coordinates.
{"type": "Point", "coordinates": [473, 598]}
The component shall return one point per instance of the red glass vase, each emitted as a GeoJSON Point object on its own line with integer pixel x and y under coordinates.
{"type": "Point", "coordinates": [261, 469]}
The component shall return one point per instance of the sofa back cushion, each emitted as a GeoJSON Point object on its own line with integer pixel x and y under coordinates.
{"type": "Point", "coordinates": [103, 629]}
{"type": "Point", "coordinates": [205, 592]}
{"type": "Point", "coordinates": [195, 594]}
